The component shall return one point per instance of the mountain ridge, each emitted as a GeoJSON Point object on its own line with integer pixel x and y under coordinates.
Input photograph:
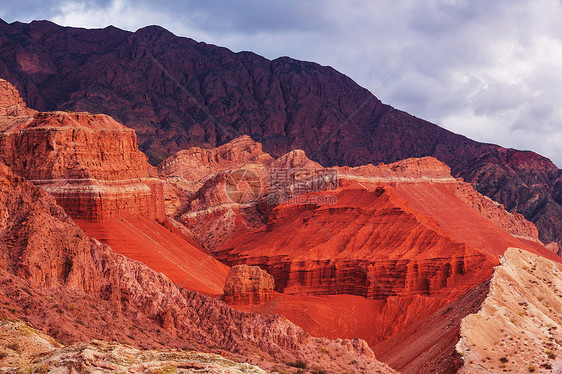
{"type": "Point", "coordinates": [176, 93]}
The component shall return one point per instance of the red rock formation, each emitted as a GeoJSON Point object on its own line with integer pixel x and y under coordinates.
{"type": "Point", "coordinates": [248, 285]}
{"type": "Point", "coordinates": [92, 166]}
{"type": "Point", "coordinates": [11, 104]}
{"type": "Point", "coordinates": [179, 93]}
{"type": "Point", "coordinates": [75, 288]}
{"type": "Point", "coordinates": [197, 163]}
{"type": "Point", "coordinates": [413, 240]}
{"type": "Point", "coordinates": [90, 163]}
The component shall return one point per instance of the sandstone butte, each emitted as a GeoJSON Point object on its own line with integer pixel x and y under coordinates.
{"type": "Point", "coordinates": [248, 285]}
{"type": "Point", "coordinates": [56, 278]}
{"type": "Point", "coordinates": [384, 254]}
{"type": "Point", "coordinates": [93, 168]}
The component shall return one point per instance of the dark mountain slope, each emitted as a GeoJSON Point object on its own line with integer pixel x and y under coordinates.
{"type": "Point", "coordinates": [177, 93]}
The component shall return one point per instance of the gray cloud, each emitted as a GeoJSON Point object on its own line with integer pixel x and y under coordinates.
{"type": "Point", "coordinates": [489, 70]}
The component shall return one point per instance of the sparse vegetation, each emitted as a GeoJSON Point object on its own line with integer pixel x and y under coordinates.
{"type": "Point", "coordinates": [503, 360]}
{"type": "Point", "coordinates": [168, 369]}
{"type": "Point", "coordinates": [546, 366]}
{"type": "Point", "coordinates": [319, 371]}
{"type": "Point", "coordinates": [299, 363]}
{"type": "Point", "coordinates": [71, 306]}
{"type": "Point", "coordinates": [13, 346]}
{"type": "Point", "coordinates": [551, 355]}
{"type": "Point", "coordinates": [532, 368]}
{"type": "Point", "coordinates": [323, 349]}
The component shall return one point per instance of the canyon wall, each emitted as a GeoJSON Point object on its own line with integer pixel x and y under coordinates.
{"type": "Point", "coordinates": [90, 163]}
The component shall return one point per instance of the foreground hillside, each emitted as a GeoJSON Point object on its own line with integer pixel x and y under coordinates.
{"type": "Point", "coordinates": [519, 327]}
{"type": "Point", "coordinates": [27, 349]}
{"type": "Point", "coordinates": [178, 93]}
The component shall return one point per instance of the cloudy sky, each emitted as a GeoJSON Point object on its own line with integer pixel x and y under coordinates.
{"type": "Point", "coordinates": [491, 70]}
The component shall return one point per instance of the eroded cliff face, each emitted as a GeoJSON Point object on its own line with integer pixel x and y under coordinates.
{"type": "Point", "coordinates": [74, 288]}
{"type": "Point", "coordinates": [396, 242]}
{"type": "Point", "coordinates": [518, 327]}
{"type": "Point", "coordinates": [90, 163]}
{"type": "Point", "coordinates": [248, 285]}
{"type": "Point", "coordinates": [93, 168]}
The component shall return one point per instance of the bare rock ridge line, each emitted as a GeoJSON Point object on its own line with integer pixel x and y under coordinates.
{"type": "Point", "coordinates": [51, 266]}
{"type": "Point", "coordinates": [196, 194]}
{"type": "Point", "coordinates": [518, 327]}
{"type": "Point", "coordinates": [284, 104]}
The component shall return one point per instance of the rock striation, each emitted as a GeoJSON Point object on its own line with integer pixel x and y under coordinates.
{"type": "Point", "coordinates": [178, 93]}
{"type": "Point", "coordinates": [73, 287]}
{"type": "Point", "coordinates": [518, 327]}
{"type": "Point", "coordinates": [92, 166]}
{"type": "Point", "coordinates": [90, 163]}
{"type": "Point", "coordinates": [406, 235]}
{"type": "Point", "coordinates": [248, 285]}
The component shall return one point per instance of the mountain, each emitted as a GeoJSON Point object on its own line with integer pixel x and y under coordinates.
{"type": "Point", "coordinates": [75, 288]}
{"type": "Point", "coordinates": [178, 93]}
{"type": "Point", "coordinates": [328, 264]}
{"type": "Point", "coordinates": [397, 254]}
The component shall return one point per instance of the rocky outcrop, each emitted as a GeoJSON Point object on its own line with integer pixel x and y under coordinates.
{"type": "Point", "coordinates": [11, 103]}
{"type": "Point", "coordinates": [29, 348]}
{"type": "Point", "coordinates": [518, 327]}
{"type": "Point", "coordinates": [248, 285]}
{"type": "Point", "coordinates": [71, 286]}
{"type": "Point", "coordinates": [190, 170]}
{"type": "Point", "coordinates": [90, 163]}
{"type": "Point", "coordinates": [177, 93]}
{"type": "Point", "coordinates": [20, 343]}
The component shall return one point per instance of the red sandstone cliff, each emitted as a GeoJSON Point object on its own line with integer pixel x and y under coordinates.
{"type": "Point", "coordinates": [248, 285]}
{"type": "Point", "coordinates": [90, 163]}
{"type": "Point", "coordinates": [92, 166]}
{"type": "Point", "coordinates": [76, 289]}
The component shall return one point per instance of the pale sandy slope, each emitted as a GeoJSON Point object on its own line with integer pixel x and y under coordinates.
{"type": "Point", "coordinates": [519, 327]}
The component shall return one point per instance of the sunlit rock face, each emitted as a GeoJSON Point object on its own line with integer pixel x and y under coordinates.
{"type": "Point", "coordinates": [518, 327]}
{"type": "Point", "coordinates": [90, 163]}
